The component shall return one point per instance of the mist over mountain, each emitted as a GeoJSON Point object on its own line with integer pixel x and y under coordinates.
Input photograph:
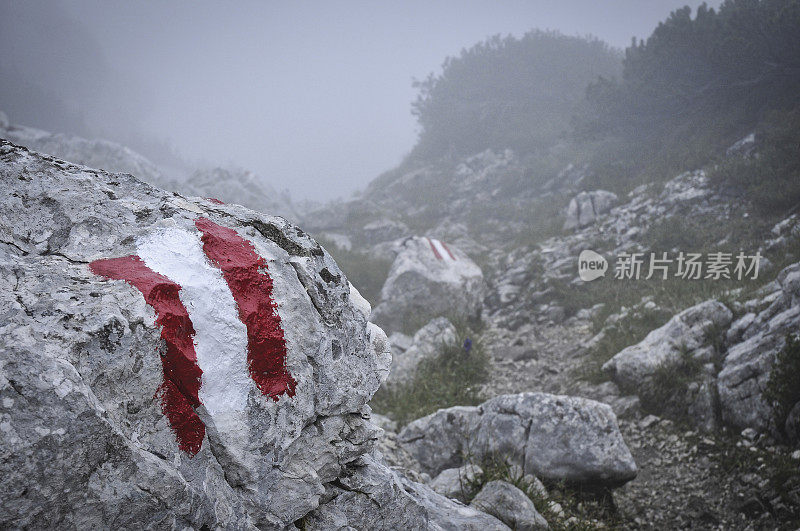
{"type": "Point", "coordinates": [569, 299]}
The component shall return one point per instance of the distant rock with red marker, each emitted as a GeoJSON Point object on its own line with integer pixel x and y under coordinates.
{"type": "Point", "coordinates": [428, 278]}
{"type": "Point", "coordinates": [167, 362]}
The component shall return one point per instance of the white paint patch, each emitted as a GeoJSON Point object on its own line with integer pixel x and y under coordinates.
{"type": "Point", "coordinates": [220, 337]}
{"type": "Point", "coordinates": [444, 253]}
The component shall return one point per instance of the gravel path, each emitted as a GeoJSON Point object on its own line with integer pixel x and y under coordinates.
{"type": "Point", "coordinates": [687, 480]}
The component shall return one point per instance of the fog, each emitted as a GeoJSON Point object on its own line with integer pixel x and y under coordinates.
{"type": "Point", "coordinates": [313, 96]}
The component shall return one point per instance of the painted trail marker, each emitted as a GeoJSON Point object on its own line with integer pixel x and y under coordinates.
{"type": "Point", "coordinates": [212, 296]}
{"type": "Point", "coordinates": [440, 250]}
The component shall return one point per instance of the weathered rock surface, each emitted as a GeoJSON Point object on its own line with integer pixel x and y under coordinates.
{"type": "Point", "coordinates": [441, 440]}
{"type": "Point", "coordinates": [756, 338]}
{"type": "Point", "coordinates": [370, 496]}
{"type": "Point", "coordinates": [425, 344]}
{"type": "Point", "coordinates": [585, 207]}
{"type": "Point", "coordinates": [231, 186]}
{"type": "Point", "coordinates": [151, 402]}
{"type": "Point", "coordinates": [552, 437]}
{"type": "Point", "coordinates": [454, 482]}
{"type": "Point", "coordinates": [428, 278]}
{"type": "Point", "coordinates": [510, 505]}
{"type": "Point", "coordinates": [688, 334]}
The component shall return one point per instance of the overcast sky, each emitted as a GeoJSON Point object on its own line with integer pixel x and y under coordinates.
{"type": "Point", "coordinates": [313, 96]}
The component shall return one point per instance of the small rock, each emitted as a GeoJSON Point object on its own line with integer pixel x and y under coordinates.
{"type": "Point", "coordinates": [648, 421]}
{"type": "Point", "coordinates": [510, 505]}
{"type": "Point", "coordinates": [749, 434]}
{"type": "Point", "coordinates": [455, 482]}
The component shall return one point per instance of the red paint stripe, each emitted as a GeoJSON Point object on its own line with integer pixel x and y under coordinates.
{"type": "Point", "coordinates": [433, 248]}
{"type": "Point", "coordinates": [446, 248]}
{"type": "Point", "coordinates": [182, 375]}
{"type": "Point", "coordinates": [246, 274]}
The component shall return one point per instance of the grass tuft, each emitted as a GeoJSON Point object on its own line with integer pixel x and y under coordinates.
{"type": "Point", "coordinates": [451, 378]}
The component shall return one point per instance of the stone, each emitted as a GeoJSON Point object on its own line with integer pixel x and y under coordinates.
{"type": "Point", "coordinates": [667, 346]}
{"type": "Point", "coordinates": [743, 147]}
{"type": "Point", "coordinates": [703, 406]}
{"type": "Point", "coordinates": [510, 505]}
{"type": "Point", "coordinates": [426, 344]}
{"type": "Point", "coordinates": [455, 482]}
{"type": "Point", "coordinates": [516, 472]}
{"type": "Point", "coordinates": [557, 438]}
{"type": "Point", "coordinates": [648, 421]}
{"type": "Point", "coordinates": [126, 394]}
{"type": "Point", "coordinates": [428, 278]}
{"type": "Point", "coordinates": [441, 440]}
{"type": "Point", "coordinates": [748, 362]}
{"type": "Point", "coordinates": [585, 207]}
{"type": "Point", "coordinates": [373, 497]}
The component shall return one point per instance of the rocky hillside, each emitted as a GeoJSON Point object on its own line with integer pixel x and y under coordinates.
{"type": "Point", "coordinates": [593, 319]}
{"type": "Point", "coordinates": [698, 370]}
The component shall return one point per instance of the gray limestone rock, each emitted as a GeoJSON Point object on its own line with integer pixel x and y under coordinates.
{"type": "Point", "coordinates": [454, 482]}
{"type": "Point", "coordinates": [687, 332]}
{"type": "Point", "coordinates": [427, 279]}
{"type": "Point", "coordinates": [585, 207]}
{"type": "Point", "coordinates": [749, 361]}
{"type": "Point", "coordinates": [553, 437]}
{"type": "Point", "coordinates": [371, 496]}
{"type": "Point", "coordinates": [85, 442]}
{"type": "Point", "coordinates": [510, 505]}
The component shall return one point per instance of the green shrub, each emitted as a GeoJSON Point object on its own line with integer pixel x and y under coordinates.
{"type": "Point", "coordinates": [771, 178]}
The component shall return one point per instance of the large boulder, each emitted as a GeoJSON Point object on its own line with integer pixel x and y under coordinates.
{"type": "Point", "coordinates": [554, 437]}
{"type": "Point", "coordinates": [428, 278]}
{"type": "Point", "coordinates": [171, 363]}
{"type": "Point", "coordinates": [510, 505]}
{"type": "Point", "coordinates": [755, 340]}
{"type": "Point", "coordinates": [691, 334]}
{"type": "Point", "coordinates": [585, 207]}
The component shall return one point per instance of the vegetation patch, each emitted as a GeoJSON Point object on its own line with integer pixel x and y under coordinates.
{"type": "Point", "coordinates": [564, 507]}
{"type": "Point", "coordinates": [769, 178]}
{"type": "Point", "coordinates": [783, 387]}
{"type": "Point", "coordinates": [454, 377]}
{"type": "Point", "coordinates": [628, 331]}
{"type": "Point", "coordinates": [666, 390]}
